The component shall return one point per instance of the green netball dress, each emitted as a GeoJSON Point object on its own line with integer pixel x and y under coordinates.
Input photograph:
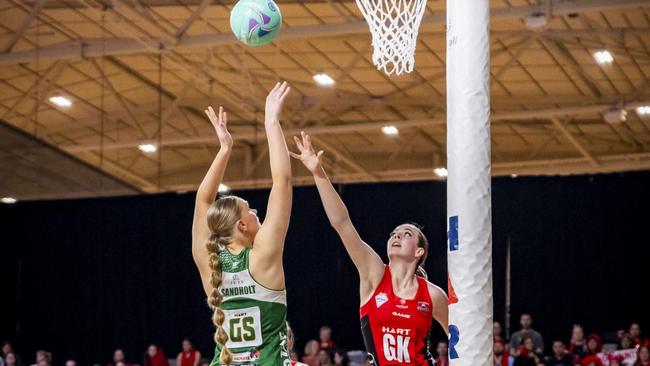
{"type": "Point", "coordinates": [255, 316]}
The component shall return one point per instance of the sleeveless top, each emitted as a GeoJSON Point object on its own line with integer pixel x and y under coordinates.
{"type": "Point", "coordinates": [188, 358]}
{"type": "Point", "coordinates": [255, 316]}
{"type": "Point", "coordinates": [395, 330]}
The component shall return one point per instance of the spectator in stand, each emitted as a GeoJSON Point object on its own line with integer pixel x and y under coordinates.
{"type": "Point", "coordinates": [310, 357]}
{"type": "Point", "coordinates": [526, 322]}
{"type": "Point", "coordinates": [626, 341]}
{"type": "Point", "coordinates": [560, 356]}
{"type": "Point", "coordinates": [578, 343]}
{"type": "Point", "coordinates": [592, 360]}
{"type": "Point", "coordinates": [70, 363]}
{"type": "Point", "coordinates": [501, 355]}
{"type": "Point", "coordinates": [643, 357]}
{"type": "Point", "coordinates": [12, 360]}
{"type": "Point", "coordinates": [635, 333]}
{"type": "Point", "coordinates": [43, 358]}
{"type": "Point", "coordinates": [188, 356]}
{"type": "Point", "coordinates": [324, 358]}
{"type": "Point", "coordinates": [526, 355]}
{"type": "Point", "coordinates": [325, 336]}
{"type": "Point", "coordinates": [442, 351]}
{"type": "Point", "coordinates": [594, 344]}
{"type": "Point", "coordinates": [7, 349]}
{"type": "Point", "coordinates": [118, 356]}
{"type": "Point", "coordinates": [154, 357]}
{"type": "Point", "coordinates": [120, 363]}
{"type": "Point", "coordinates": [341, 357]}
{"type": "Point", "coordinates": [497, 331]}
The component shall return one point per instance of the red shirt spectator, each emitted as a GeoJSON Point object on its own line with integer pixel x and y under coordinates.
{"type": "Point", "coordinates": [155, 357]}
{"type": "Point", "coordinates": [443, 354]}
{"type": "Point", "coordinates": [325, 335]}
{"type": "Point", "coordinates": [501, 355]}
{"type": "Point", "coordinates": [592, 360]}
{"type": "Point", "coordinates": [578, 343]}
{"type": "Point", "coordinates": [594, 344]}
{"type": "Point", "coordinates": [643, 357]}
{"type": "Point", "coordinates": [189, 356]}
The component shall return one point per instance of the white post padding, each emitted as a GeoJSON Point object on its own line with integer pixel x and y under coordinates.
{"type": "Point", "coordinates": [469, 212]}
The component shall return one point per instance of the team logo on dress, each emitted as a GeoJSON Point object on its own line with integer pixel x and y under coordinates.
{"type": "Point", "coordinates": [255, 354]}
{"type": "Point", "coordinates": [381, 299]}
{"type": "Point", "coordinates": [424, 307]}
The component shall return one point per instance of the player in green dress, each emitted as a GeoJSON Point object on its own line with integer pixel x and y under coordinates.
{"type": "Point", "coordinates": [240, 259]}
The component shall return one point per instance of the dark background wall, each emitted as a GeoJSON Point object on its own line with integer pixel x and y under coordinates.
{"type": "Point", "coordinates": [82, 277]}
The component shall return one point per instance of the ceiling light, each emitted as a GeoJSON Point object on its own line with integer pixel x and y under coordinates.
{"type": "Point", "coordinates": [8, 200]}
{"type": "Point", "coordinates": [603, 57]}
{"type": "Point", "coordinates": [441, 172]}
{"type": "Point", "coordinates": [643, 111]}
{"type": "Point", "coordinates": [60, 101]}
{"type": "Point", "coordinates": [323, 79]}
{"type": "Point", "coordinates": [615, 116]}
{"type": "Point", "coordinates": [223, 188]}
{"type": "Point", "coordinates": [390, 130]}
{"type": "Point", "coordinates": [513, 175]}
{"type": "Point", "coordinates": [536, 22]}
{"type": "Point", "coordinates": [148, 148]}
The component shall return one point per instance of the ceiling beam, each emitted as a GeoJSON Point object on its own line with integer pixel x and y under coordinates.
{"type": "Point", "coordinates": [84, 49]}
{"type": "Point", "coordinates": [365, 126]}
{"type": "Point", "coordinates": [27, 20]}
{"type": "Point", "coordinates": [569, 136]}
{"type": "Point", "coordinates": [547, 167]}
{"type": "Point", "coordinates": [195, 15]}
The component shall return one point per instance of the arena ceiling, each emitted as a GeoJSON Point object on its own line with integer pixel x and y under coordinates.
{"type": "Point", "coordinates": [142, 71]}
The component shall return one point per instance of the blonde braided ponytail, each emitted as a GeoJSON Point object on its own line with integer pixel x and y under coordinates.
{"type": "Point", "coordinates": [222, 217]}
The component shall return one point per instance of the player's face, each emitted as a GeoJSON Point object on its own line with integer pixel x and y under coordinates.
{"type": "Point", "coordinates": [403, 243]}
{"type": "Point", "coordinates": [250, 220]}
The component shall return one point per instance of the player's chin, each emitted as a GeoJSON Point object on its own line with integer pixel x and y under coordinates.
{"type": "Point", "coordinates": [395, 251]}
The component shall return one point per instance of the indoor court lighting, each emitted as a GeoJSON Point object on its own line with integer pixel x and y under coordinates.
{"type": "Point", "coordinates": [603, 57]}
{"type": "Point", "coordinates": [615, 116]}
{"type": "Point", "coordinates": [223, 188]}
{"type": "Point", "coordinates": [390, 130]}
{"type": "Point", "coordinates": [60, 101]}
{"type": "Point", "coordinates": [643, 111]}
{"type": "Point", "coordinates": [147, 148]}
{"type": "Point", "coordinates": [536, 22]}
{"type": "Point", "coordinates": [8, 200]}
{"type": "Point", "coordinates": [441, 172]}
{"type": "Point", "coordinates": [323, 79]}
{"type": "Point", "coordinates": [513, 175]}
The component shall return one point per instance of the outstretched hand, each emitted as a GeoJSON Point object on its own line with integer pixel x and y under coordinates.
{"type": "Point", "coordinates": [220, 124]}
{"type": "Point", "coordinates": [312, 160]}
{"type": "Point", "coordinates": [275, 100]}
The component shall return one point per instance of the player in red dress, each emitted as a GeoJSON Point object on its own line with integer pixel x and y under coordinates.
{"type": "Point", "coordinates": [398, 304]}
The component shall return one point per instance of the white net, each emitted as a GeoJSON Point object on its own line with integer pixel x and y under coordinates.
{"type": "Point", "coordinates": [394, 26]}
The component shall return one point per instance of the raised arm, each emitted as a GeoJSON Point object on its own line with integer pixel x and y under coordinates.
{"type": "Point", "coordinates": [269, 241]}
{"type": "Point", "coordinates": [368, 263]}
{"type": "Point", "coordinates": [207, 193]}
